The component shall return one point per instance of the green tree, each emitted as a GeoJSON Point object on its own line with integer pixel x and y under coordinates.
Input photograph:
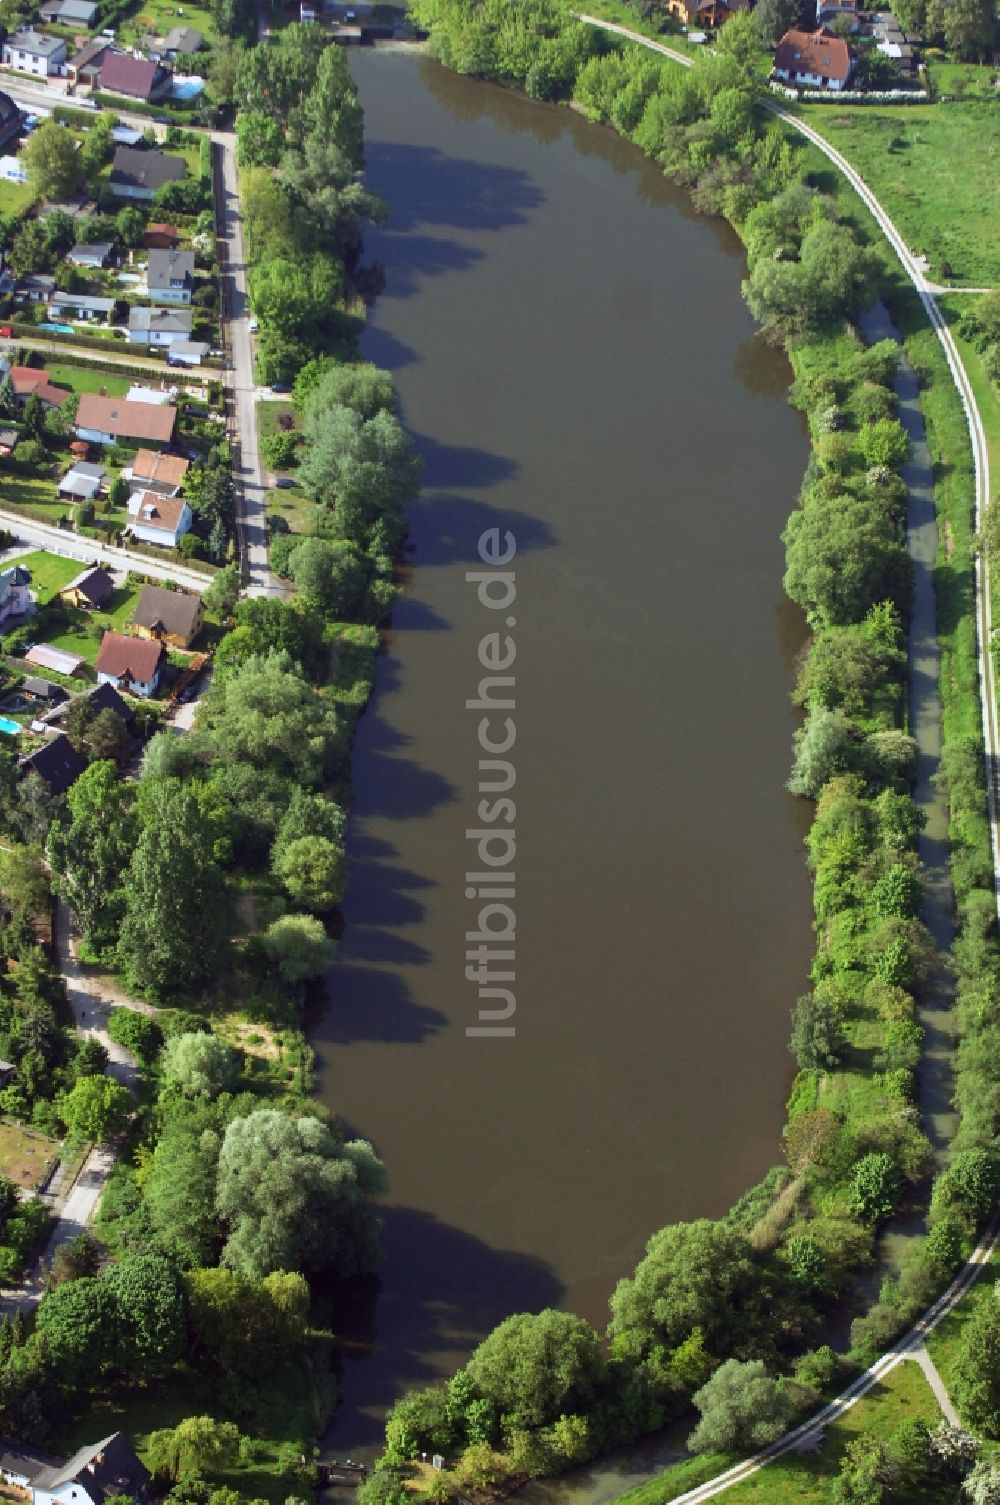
{"type": "Point", "coordinates": [818, 1042]}
{"type": "Point", "coordinates": [773, 19]}
{"type": "Point", "coordinates": [179, 1191]}
{"type": "Point", "coordinates": [151, 1318]}
{"type": "Point", "coordinates": [200, 1065]}
{"type": "Point", "coordinates": [224, 592]}
{"type": "Point", "coordinates": [131, 225]}
{"type": "Point", "coordinates": [299, 947]}
{"type": "Point", "coordinates": [534, 1368]}
{"type": "Point", "coordinates": [296, 1198]}
{"type": "Point", "coordinates": [884, 443]}
{"type": "Point", "coordinates": [365, 389]}
{"type": "Point", "coordinates": [865, 1472]}
{"type": "Point", "coordinates": [77, 1321]}
{"type": "Point", "coordinates": [50, 159]}
{"type": "Point", "coordinates": [369, 467]}
{"type": "Point", "coordinates": [699, 1274]}
{"type": "Point", "coordinates": [175, 920]}
{"type": "Point", "coordinates": [976, 1382]}
{"type": "Point", "coordinates": [330, 576]}
{"type": "Point", "coordinates": [967, 26]}
{"type": "Point", "coordinates": [198, 1444]}
{"type": "Point", "coordinates": [827, 745]}
{"type": "Point", "coordinates": [91, 855]}
{"type": "Point", "coordinates": [264, 713]}
{"type": "Point", "coordinates": [312, 870]}
{"type": "Point", "coordinates": [742, 1408]}
{"type": "Point", "coordinates": [97, 1108]}
{"type": "Point", "coordinates": [260, 139]}
{"type": "Point", "coordinates": [843, 557]}
{"type": "Point", "coordinates": [138, 1032]}
{"type": "Point", "coordinates": [876, 1186]}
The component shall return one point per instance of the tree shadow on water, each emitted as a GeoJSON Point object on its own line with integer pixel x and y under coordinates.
{"type": "Point", "coordinates": [460, 192]}
{"type": "Point", "coordinates": [440, 1291]}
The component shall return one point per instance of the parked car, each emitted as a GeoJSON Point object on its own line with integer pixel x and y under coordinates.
{"type": "Point", "coordinates": [284, 483]}
{"type": "Point", "coordinates": [281, 386]}
{"type": "Point", "coordinates": [253, 326]}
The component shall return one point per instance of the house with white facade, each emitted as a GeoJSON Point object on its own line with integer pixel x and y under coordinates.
{"type": "Point", "coordinates": [131, 664]}
{"type": "Point", "coordinates": [814, 60]}
{"type": "Point", "coordinates": [15, 597]}
{"type": "Point", "coordinates": [159, 326]}
{"type": "Point", "coordinates": [115, 420]}
{"type": "Point", "coordinates": [35, 52]}
{"type": "Point", "coordinates": [157, 519]}
{"type": "Point", "coordinates": [91, 1477]}
{"type": "Point", "coordinates": [82, 307]}
{"type": "Point", "coordinates": [170, 276]}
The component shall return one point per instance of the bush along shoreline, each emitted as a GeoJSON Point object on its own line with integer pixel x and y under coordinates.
{"type": "Point", "coordinates": [207, 886]}
{"type": "Point", "coordinates": [733, 1312]}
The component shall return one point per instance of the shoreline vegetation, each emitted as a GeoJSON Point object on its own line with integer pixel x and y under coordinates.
{"type": "Point", "coordinates": [195, 1320]}
{"type": "Point", "coordinates": [733, 1312]}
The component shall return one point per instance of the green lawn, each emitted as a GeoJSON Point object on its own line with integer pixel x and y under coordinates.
{"type": "Point", "coordinates": [82, 636]}
{"type": "Point", "coordinates": [14, 197]}
{"type": "Point", "coordinates": [269, 415]}
{"type": "Point", "coordinates": [936, 169]}
{"type": "Point", "coordinates": [33, 495]}
{"type": "Point", "coordinates": [25, 1155]}
{"type": "Point", "coordinates": [81, 379]}
{"type": "Point", "coordinates": [160, 16]}
{"type": "Point", "coordinates": [49, 573]}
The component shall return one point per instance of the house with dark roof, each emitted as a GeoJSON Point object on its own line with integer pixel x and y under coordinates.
{"type": "Point", "coordinates": [106, 698]}
{"type": "Point", "coordinates": [169, 616]}
{"type": "Point", "coordinates": [131, 664]}
{"type": "Point", "coordinates": [182, 41]}
{"type": "Point", "coordinates": [84, 66]}
{"type": "Point", "coordinates": [159, 236]}
{"type": "Point", "coordinates": [134, 77]}
{"type": "Point", "coordinates": [43, 689]}
{"type": "Point", "coordinates": [89, 590]}
{"type": "Point", "coordinates": [37, 287]}
{"type": "Point", "coordinates": [170, 276]}
{"type": "Point", "coordinates": [59, 765]}
{"type": "Point", "coordinates": [711, 13]}
{"type": "Point", "coordinates": [70, 12]}
{"type": "Point", "coordinates": [92, 1476]}
{"type": "Point", "coordinates": [137, 172]}
{"type": "Point", "coordinates": [11, 119]}
{"type": "Point", "coordinates": [15, 597]}
{"type": "Point", "coordinates": [814, 60]}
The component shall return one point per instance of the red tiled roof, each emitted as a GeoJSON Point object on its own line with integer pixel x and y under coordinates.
{"type": "Point", "coordinates": [161, 512]}
{"type": "Point", "coordinates": [815, 52]}
{"type": "Point", "coordinates": [122, 657]}
{"type": "Point", "coordinates": [126, 420]}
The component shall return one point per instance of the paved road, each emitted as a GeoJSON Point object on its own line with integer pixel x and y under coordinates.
{"type": "Point", "coordinates": [251, 490]}
{"type": "Point", "coordinates": [89, 550]}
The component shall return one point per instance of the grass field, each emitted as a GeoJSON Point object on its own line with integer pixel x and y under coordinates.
{"type": "Point", "coordinates": [82, 637]}
{"type": "Point", "coordinates": [81, 380]}
{"type": "Point", "coordinates": [808, 1480]}
{"type": "Point", "coordinates": [25, 1155]}
{"type": "Point", "coordinates": [14, 197]}
{"type": "Point", "coordinates": [49, 573]}
{"type": "Point", "coordinates": [936, 169]}
{"type": "Point", "coordinates": [158, 17]}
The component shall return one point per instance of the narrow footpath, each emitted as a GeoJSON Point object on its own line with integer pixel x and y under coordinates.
{"type": "Point", "coordinates": [74, 1206]}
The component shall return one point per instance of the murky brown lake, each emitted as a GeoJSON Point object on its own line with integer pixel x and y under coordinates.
{"type": "Point", "coordinates": [578, 367]}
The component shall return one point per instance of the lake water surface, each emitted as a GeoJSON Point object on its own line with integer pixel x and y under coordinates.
{"type": "Point", "coordinates": [578, 368]}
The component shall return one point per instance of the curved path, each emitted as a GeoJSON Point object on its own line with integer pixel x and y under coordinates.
{"type": "Point", "coordinates": [800, 1438]}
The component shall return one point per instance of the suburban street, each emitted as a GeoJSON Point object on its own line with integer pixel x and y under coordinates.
{"type": "Point", "coordinates": [90, 551]}
{"type": "Point", "coordinates": [251, 491]}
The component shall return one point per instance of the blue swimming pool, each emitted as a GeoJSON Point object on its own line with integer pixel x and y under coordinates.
{"type": "Point", "coordinates": [59, 328]}
{"type": "Point", "coordinates": [10, 727]}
